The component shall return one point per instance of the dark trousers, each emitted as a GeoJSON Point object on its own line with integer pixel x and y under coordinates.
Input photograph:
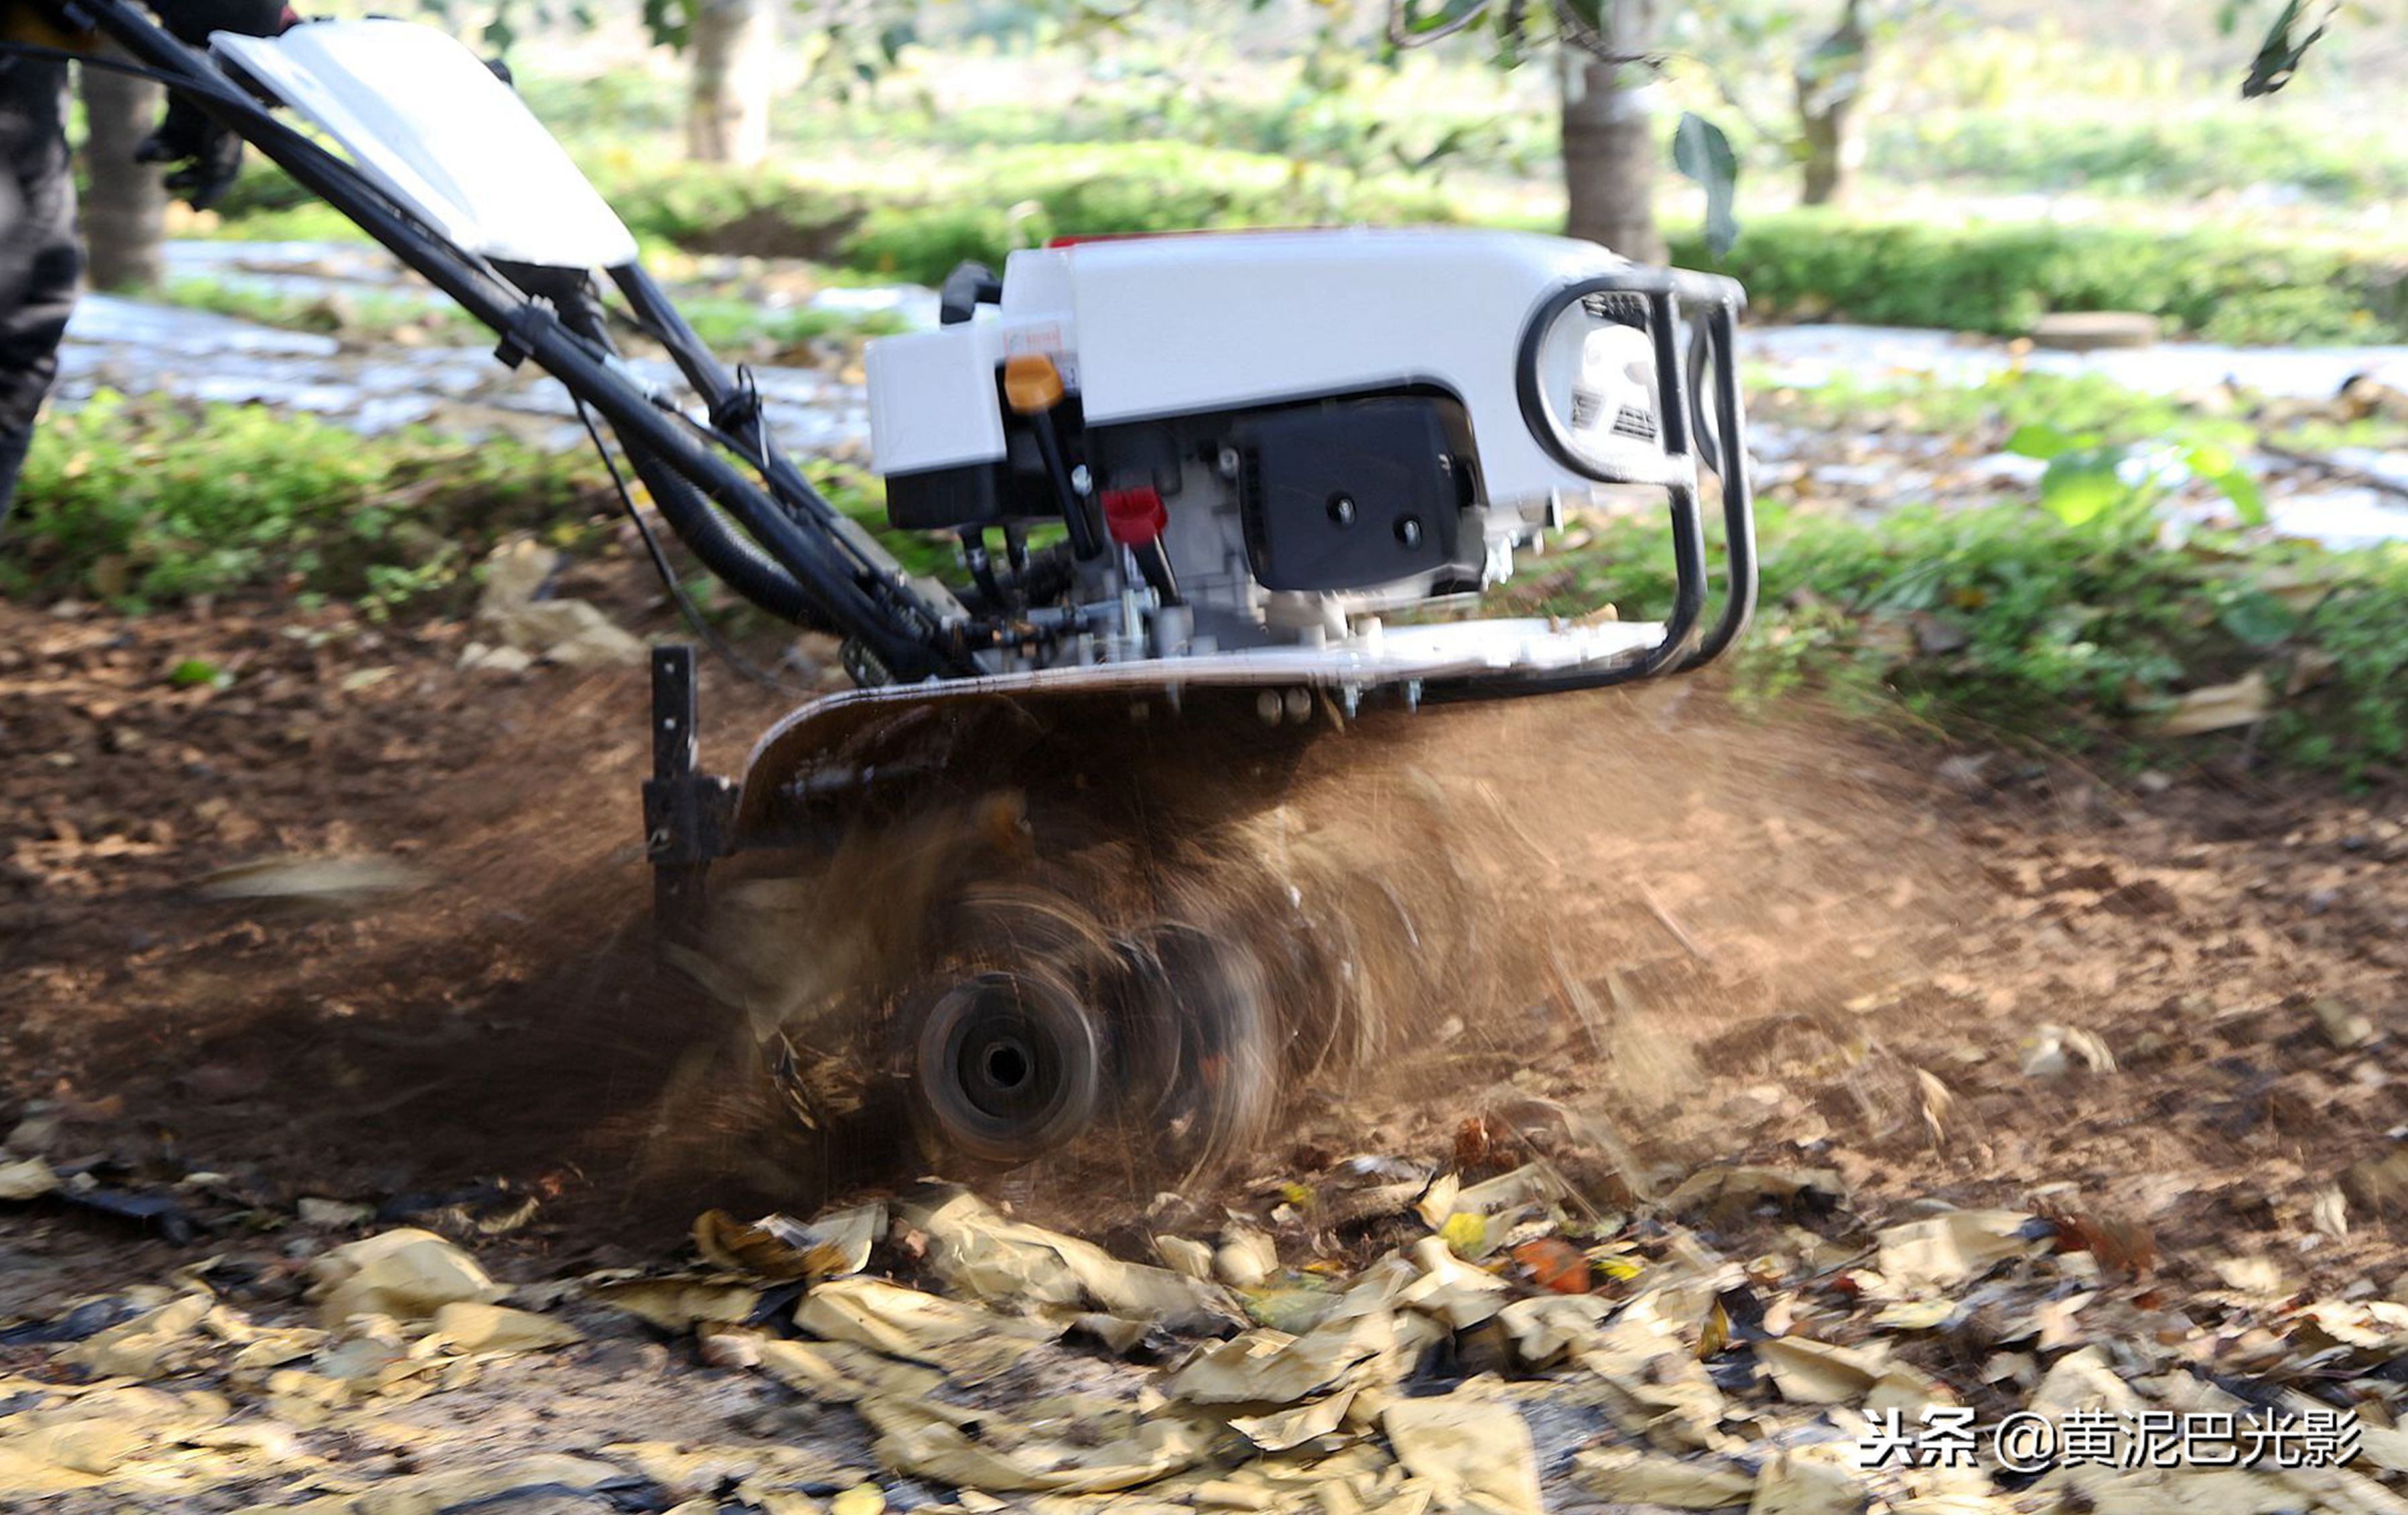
{"type": "Point", "coordinates": [39, 257]}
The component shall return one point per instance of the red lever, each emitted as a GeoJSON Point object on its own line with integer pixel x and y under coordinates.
{"type": "Point", "coordinates": [1135, 516]}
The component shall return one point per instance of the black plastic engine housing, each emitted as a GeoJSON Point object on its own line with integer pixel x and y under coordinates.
{"type": "Point", "coordinates": [1349, 494]}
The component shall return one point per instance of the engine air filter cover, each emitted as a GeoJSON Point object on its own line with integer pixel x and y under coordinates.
{"type": "Point", "coordinates": [1349, 494]}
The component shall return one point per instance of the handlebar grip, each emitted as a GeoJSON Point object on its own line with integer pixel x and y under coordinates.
{"type": "Point", "coordinates": [966, 288]}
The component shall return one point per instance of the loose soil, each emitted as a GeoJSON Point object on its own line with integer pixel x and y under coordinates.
{"type": "Point", "coordinates": [2175, 1009]}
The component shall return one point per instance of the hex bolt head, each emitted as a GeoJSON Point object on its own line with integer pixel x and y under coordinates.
{"type": "Point", "coordinates": [1409, 532]}
{"type": "Point", "coordinates": [1342, 509]}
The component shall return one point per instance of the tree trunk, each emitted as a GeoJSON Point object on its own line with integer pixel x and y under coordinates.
{"type": "Point", "coordinates": [124, 210]}
{"type": "Point", "coordinates": [727, 120]}
{"type": "Point", "coordinates": [1831, 88]}
{"type": "Point", "coordinates": [1610, 146]}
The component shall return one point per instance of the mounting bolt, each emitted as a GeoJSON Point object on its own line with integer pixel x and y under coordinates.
{"type": "Point", "coordinates": [1229, 463]}
{"type": "Point", "coordinates": [1409, 532]}
{"type": "Point", "coordinates": [1081, 480]}
{"type": "Point", "coordinates": [1342, 509]}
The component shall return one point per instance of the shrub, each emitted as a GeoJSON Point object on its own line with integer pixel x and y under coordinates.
{"type": "Point", "coordinates": [2002, 276]}
{"type": "Point", "coordinates": [143, 501]}
{"type": "Point", "coordinates": [2132, 153]}
{"type": "Point", "coordinates": [146, 502]}
{"type": "Point", "coordinates": [2009, 622]}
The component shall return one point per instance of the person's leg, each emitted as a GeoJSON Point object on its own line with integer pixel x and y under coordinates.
{"type": "Point", "coordinates": [14, 445]}
{"type": "Point", "coordinates": [39, 258]}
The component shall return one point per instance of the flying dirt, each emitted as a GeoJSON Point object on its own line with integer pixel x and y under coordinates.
{"type": "Point", "coordinates": [1687, 960]}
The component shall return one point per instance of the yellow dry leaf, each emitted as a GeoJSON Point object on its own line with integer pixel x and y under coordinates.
{"type": "Point", "coordinates": [678, 1302]}
{"type": "Point", "coordinates": [861, 1499]}
{"type": "Point", "coordinates": [1648, 1477]}
{"type": "Point", "coordinates": [1466, 1234]}
{"type": "Point", "coordinates": [27, 1179]}
{"type": "Point", "coordinates": [2214, 706]}
{"type": "Point", "coordinates": [1470, 1446]}
{"type": "Point", "coordinates": [1716, 1335]}
{"type": "Point", "coordinates": [152, 1344]}
{"type": "Point", "coordinates": [407, 1274]}
{"type": "Point", "coordinates": [761, 1250]}
{"type": "Point", "coordinates": [473, 1327]}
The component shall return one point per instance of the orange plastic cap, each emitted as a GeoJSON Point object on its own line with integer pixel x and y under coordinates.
{"type": "Point", "coordinates": [1031, 383]}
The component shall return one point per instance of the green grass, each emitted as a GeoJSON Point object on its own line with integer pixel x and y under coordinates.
{"type": "Point", "coordinates": [2158, 153]}
{"type": "Point", "coordinates": [2006, 624]}
{"type": "Point", "coordinates": [142, 503]}
{"type": "Point", "coordinates": [916, 220]}
{"type": "Point", "coordinates": [2001, 276]}
{"type": "Point", "coordinates": [731, 326]}
{"type": "Point", "coordinates": [728, 324]}
{"type": "Point", "coordinates": [2076, 619]}
{"type": "Point", "coordinates": [145, 502]}
{"type": "Point", "coordinates": [1990, 413]}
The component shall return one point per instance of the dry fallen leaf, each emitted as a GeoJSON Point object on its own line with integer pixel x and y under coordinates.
{"type": "Point", "coordinates": [979, 1253]}
{"type": "Point", "coordinates": [1271, 1368]}
{"type": "Point", "coordinates": [1470, 1446]}
{"type": "Point", "coordinates": [1950, 1249]}
{"type": "Point", "coordinates": [678, 1302]}
{"type": "Point", "coordinates": [773, 1249]}
{"type": "Point", "coordinates": [28, 1178]}
{"type": "Point", "coordinates": [2215, 706]}
{"type": "Point", "coordinates": [407, 1274]}
{"type": "Point", "coordinates": [1284, 1430]}
{"type": "Point", "coordinates": [152, 1344]}
{"type": "Point", "coordinates": [473, 1327]}
{"type": "Point", "coordinates": [1817, 1373]}
{"type": "Point", "coordinates": [1646, 1477]}
{"type": "Point", "coordinates": [1245, 1258]}
{"type": "Point", "coordinates": [1555, 1264]}
{"type": "Point", "coordinates": [968, 1342]}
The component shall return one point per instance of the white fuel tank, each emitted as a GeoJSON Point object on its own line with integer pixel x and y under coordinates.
{"type": "Point", "coordinates": [1159, 326]}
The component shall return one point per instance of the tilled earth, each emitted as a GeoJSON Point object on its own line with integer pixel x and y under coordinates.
{"type": "Point", "coordinates": [352, 940]}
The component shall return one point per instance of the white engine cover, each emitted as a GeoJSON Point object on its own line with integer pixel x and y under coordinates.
{"type": "Point", "coordinates": [1161, 326]}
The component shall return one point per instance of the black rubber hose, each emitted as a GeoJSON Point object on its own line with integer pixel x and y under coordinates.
{"type": "Point", "coordinates": [730, 555]}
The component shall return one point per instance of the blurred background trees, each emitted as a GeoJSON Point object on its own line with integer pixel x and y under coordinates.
{"type": "Point", "coordinates": [1561, 113]}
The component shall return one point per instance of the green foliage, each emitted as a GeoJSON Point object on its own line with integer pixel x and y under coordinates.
{"type": "Point", "coordinates": [980, 204]}
{"type": "Point", "coordinates": [2026, 401]}
{"type": "Point", "coordinates": [2286, 43]}
{"type": "Point", "coordinates": [1008, 198]}
{"type": "Point", "coordinates": [2002, 276]}
{"type": "Point", "coordinates": [726, 324]}
{"type": "Point", "coordinates": [2168, 151]}
{"type": "Point", "coordinates": [2076, 618]}
{"type": "Point", "coordinates": [2223, 284]}
{"type": "Point", "coordinates": [143, 501]}
{"type": "Point", "coordinates": [2008, 622]}
{"type": "Point", "coordinates": [2088, 477]}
